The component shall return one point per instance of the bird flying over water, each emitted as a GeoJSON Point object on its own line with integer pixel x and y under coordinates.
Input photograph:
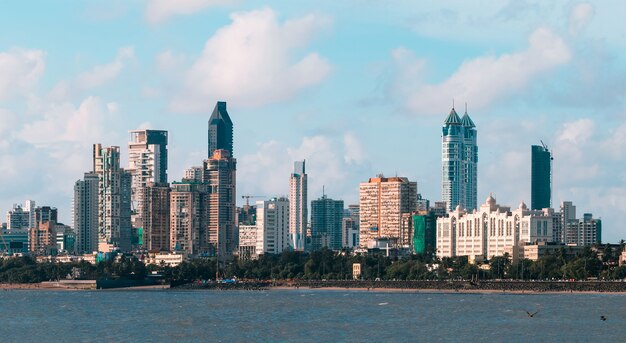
{"type": "Point", "coordinates": [531, 314]}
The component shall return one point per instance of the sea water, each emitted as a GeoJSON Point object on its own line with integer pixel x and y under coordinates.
{"type": "Point", "coordinates": [307, 316]}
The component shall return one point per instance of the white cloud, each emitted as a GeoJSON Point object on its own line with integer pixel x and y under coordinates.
{"type": "Point", "coordinates": [267, 171]}
{"type": "Point", "coordinates": [483, 80]}
{"type": "Point", "coordinates": [64, 122]}
{"type": "Point", "coordinates": [102, 74]}
{"type": "Point", "coordinates": [579, 17]}
{"type": "Point", "coordinates": [158, 11]}
{"type": "Point", "coordinates": [354, 150]}
{"type": "Point", "coordinates": [254, 61]}
{"type": "Point", "coordinates": [20, 70]}
{"type": "Point", "coordinates": [168, 61]}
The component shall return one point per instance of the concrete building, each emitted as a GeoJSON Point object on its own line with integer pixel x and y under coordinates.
{"type": "Point", "coordinates": [382, 201]}
{"type": "Point", "coordinates": [193, 174]}
{"type": "Point", "coordinates": [219, 173]}
{"type": "Point", "coordinates": [155, 218]}
{"type": "Point", "coordinates": [585, 231]}
{"type": "Point", "coordinates": [165, 258]}
{"type": "Point", "coordinates": [15, 241]}
{"type": "Point", "coordinates": [459, 162]}
{"type": "Point", "coordinates": [540, 177]}
{"type": "Point", "coordinates": [42, 239]}
{"type": "Point", "coordinates": [326, 223]}
{"type": "Point", "coordinates": [85, 213]}
{"type": "Point", "coordinates": [272, 222]}
{"type": "Point", "coordinates": [491, 231]}
{"type": "Point", "coordinates": [147, 163]}
{"type": "Point", "coordinates": [189, 216]}
{"type": "Point", "coordinates": [247, 242]}
{"type": "Point", "coordinates": [350, 233]}
{"type": "Point", "coordinates": [298, 212]}
{"type": "Point", "coordinates": [114, 199]}
{"type": "Point", "coordinates": [19, 218]}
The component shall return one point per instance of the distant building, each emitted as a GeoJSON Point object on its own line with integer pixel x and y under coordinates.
{"type": "Point", "coordinates": [350, 233]}
{"type": "Point", "coordinates": [114, 199]}
{"type": "Point", "coordinates": [586, 231]}
{"type": "Point", "coordinates": [189, 216]}
{"type": "Point", "coordinates": [193, 174]}
{"type": "Point", "coordinates": [165, 258]}
{"type": "Point", "coordinates": [15, 241]}
{"type": "Point", "coordinates": [155, 219]}
{"type": "Point", "coordinates": [220, 130]}
{"type": "Point", "coordinates": [491, 231]}
{"type": "Point", "coordinates": [147, 163]}
{"type": "Point", "coordinates": [326, 223]}
{"type": "Point", "coordinates": [42, 239]}
{"type": "Point", "coordinates": [272, 222]}
{"type": "Point", "coordinates": [459, 162]}
{"type": "Point", "coordinates": [382, 201]}
{"type": "Point", "coordinates": [418, 232]}
{"type": "Point", "coordinates": [219, 173]}
{"type": "Point", "coordinates": [540, 177]}
{"type": "Point", "coordinates": [298, 212]}
{"type": "Point", "coordinates": [85, 213]}
{"type": "Point", "coordinates": [247, 242]}
{"type": "Point", "coordinates": [18, 218]}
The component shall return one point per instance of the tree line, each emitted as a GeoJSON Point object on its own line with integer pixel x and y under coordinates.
{"type": "Point", "coordinates": [326, 264]}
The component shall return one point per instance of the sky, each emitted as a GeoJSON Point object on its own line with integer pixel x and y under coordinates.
{"type": "Point", "coordinates": [355, 87]}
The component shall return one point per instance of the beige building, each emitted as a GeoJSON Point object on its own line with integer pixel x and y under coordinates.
{"type": "Point", "coordinates": [219, 173]}
{"type": "Point", "coordinates": [382, 202]}
{"type": "Point", "coordinates": [492, 230]}
{"type": "Point", "coordinates": [247, 241]}
{"type": "Point", "coordinates": [166, 258]}
{"type": "Point", "coordinates": [188, 217]}
{"type": "Point", "coordinates": [155, 218]}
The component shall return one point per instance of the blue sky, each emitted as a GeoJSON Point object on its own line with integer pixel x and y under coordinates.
{"type": "Point", "coordinates": [355, 87]}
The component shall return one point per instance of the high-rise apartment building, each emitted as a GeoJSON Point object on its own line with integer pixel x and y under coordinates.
{"type": "Point", "coordinates": [219, 173]}
{"type": "Point", "coordinates": [298, 212]}
{"type": "Point", "coordinates": [382, 201]}
{"type": "Point", "coordinates": [272, 222]}
{"type": "Point", "coordinates": [584, 232]}
{"type": "Point", "coordinates": [85, 213]}
{"type": "Point", "coordinates": [189, 216]}
{"type": "Point", "coordinates": [156, 219]}
{"type": "Point", "coordinates": [147, 163]}
{"type": "Point", "coordinates": [114, 199]}
{"type": "Point", "coordinates": [220, 130]}
{"type": "Point", "coordinates": [459, 162]}
{"type": "Point", "coordinates": [540, 177]}
{"type": "Point", "coordinates": [326, 223]}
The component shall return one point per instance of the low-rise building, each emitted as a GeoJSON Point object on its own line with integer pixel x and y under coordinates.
{"type": "Point", "coordinates": [491, 231]}
{"type": "Point", "coordinates": [165, 258]}
{"type": "Point", "coordinates": [247, 241]}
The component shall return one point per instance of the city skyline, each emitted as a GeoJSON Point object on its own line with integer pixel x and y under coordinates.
{"type": "Point", "coordinates": [353, 118]}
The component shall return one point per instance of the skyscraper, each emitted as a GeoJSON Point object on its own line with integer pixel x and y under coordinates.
{"type": "Point", "coordinates": [219, 173]}
{"type": "Point", "coordinates": [540, 177]}
{"type": "Point", "coordinates": [298, 212]}
{"type": "Point", "coordinates": [85, 213]}
{"type": "Point", "coordinates": [326, 223]}
{"type": "Point", "coordinates": [189, 215]}
{"type": "Point", "coordinates": [114, 199]}
{"type": "Point", "coordinates": [147, 163]}
{"type": "Point", "coordinates": [156, 217]}
{"type": "Point", "coordinates": [382, 201]}
{"type": "Point", "coordinates": [459, 162]}
{"type": "Point", "coordinates": [220, 130]}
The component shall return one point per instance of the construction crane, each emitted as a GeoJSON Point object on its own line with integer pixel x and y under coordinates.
{"type": "Point", "coordinates": [247, 197]}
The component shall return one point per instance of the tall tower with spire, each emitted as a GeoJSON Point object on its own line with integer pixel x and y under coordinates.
{"type": "Point", "coordinates": [459, 162]}
{"type": "Point", "coordinates": [220, 130]}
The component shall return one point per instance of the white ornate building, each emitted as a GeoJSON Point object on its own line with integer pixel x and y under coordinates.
{"type": "Point", "coordinates": [491, 230]}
